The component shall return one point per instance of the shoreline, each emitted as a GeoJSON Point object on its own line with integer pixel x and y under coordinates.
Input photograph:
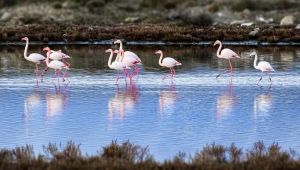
{"type": "Point", "coordinates": [150, 34]}
{"type": "Point", "coordinates": [154, 43]}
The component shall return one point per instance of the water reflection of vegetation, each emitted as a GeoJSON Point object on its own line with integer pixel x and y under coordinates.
{"type": "Point", "coordinates": [93, 58]}
{"type": "Point", "coordinates": [129, 156]}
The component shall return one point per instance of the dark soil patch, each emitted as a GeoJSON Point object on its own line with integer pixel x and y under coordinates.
{"type": "Point", "coordinates": [148, 32]}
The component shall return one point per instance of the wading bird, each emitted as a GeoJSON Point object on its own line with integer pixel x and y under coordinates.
{"type": "Point", "coordinates": [57, 55]}
{"type": "Point", "coordinates": [116, 65]}
{"type": "Point", "coordinates": [58, 66]}
{"type": "Point", "coordinates": [263, 66]}
{"type": "Point", "coordinates": [167, 62]}
{"type": "Point", "coordinates": [226, 54]}
{"type": "Point", "coordinates": [129, 59]}
{"type": "Point", "coordinates": [33, 57]}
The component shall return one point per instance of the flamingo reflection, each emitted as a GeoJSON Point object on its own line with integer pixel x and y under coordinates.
{"type": "Point", "coordinates": [32, 103]}
{"type": "Point", "coordinates": [167, 100]}
{"type": "Point", "coordinates": [225, 103]}
{"type": "Point", "coordinates": [55, 103]}
{"type": "Point", "coordinates": [122, 102]}
{"type": "Point", "coordinates": [261, 105]}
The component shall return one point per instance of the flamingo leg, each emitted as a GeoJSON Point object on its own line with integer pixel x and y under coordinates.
{"type": "Point", "coordinates": [222, 73]}
{"type": "Point", "coordinates": [270, 81]}
{"type": "Point", "coordinates": [43, 73]}
{"type": "Point", "coordinates": [59, 75]}
{"type": "Point", "coordinates": [64, 76]}
{"type": "Point", "coordinates": [118, 76]}
{"type": "Point", "coordinates": [37, 73]}
{"type": "Point", "coordinates": [261, 77]}
{"type": "Point", "coordinates": [230, 67]}
{"type": "Point", "coordinates": [125, 75]}
{"type": "Point", "coordinates": [137, 69]}
{"type": "Point", "coordinates": [230, 70]}
{"type": "Point", "coordinates": [173, 71]}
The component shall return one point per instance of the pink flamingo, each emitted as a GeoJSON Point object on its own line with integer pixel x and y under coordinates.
{"type": "Point", "coordinates": [55, 64]}
{"type": "Point", "coordinates": [33, 57]}
{"type": "Point", "coordinates": [226, 54]}
{"type": "Point", "coordinates": [129, 62]}
{"type": "Point", "coordinates": [116, 65]}
{"type": "Point", "coordinates": [263, 66]}
{"type": "Point", "coordinates": [57, 55]}
{"type": "Point", "coordinates": [129, 58]}
{"type": "Point", "coordinates": [167, 62]}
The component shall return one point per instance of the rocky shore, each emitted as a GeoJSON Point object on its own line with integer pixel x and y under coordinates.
{"type": "Point", "coordinates": [172, 21]}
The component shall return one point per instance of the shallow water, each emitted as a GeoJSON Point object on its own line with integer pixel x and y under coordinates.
{"type": "Point", "coordinates": [197, 110]}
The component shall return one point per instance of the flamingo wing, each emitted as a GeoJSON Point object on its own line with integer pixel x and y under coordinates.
{"type": "Point", "coordinates": [55, 55]}
{"type": "Point", "coordinates": [36, 58]}
{"type": "Point", "coordinates": [132, 54]}
{"type": "Point", "coordinates": [265, 66]}
{"type": "Point", "coordinates": [169, 62]}
{"type": "Point", "coordinates": [129, 60]}
{"type": "Point", "coordinates": [229, 54]}
{"type": "Point", "coordinates": [58, 55]}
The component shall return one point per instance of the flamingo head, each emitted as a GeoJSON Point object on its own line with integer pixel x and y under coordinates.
{"type": "Point", "coordinates": [158, 52]}
{"type": "Point", "coordinates": [116, 51]}
{"type": "Point", "coordinates": [25, 39]}
{"type": "Point", "coordinates": [46, 49]}
{"type": "Point", "coordinates": [117, 42]}
{"type": "Point", "coordinates": [109, 51]}
{"type": "Point", "coordinates": [253, 54]}
{"type": "Point", "coordinates": [217, 42]}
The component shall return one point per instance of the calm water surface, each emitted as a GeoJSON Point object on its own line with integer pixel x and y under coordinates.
{"type": "Point", "coordinates": [198, 110]}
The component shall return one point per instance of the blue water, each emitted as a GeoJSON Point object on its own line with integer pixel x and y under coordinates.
{"type": "Point", "coordinates": [197, 110]}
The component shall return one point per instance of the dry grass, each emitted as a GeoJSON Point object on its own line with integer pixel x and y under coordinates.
{"type": "Point", "coordinates": [129, 156]}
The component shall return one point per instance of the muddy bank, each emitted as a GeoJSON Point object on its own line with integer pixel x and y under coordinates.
{"type": "Point", "coordinates": [149, 32]}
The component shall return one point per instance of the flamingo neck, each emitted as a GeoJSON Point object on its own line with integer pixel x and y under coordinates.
{"type": "Point", "coordinates": [25, 51]}
{"type": "Point", "coordinates": [47, 59]}
{"type": "Point", "coordinates": [255, 62]}
{"type": "Point", "coordinates": [110, 59]}
{"type": "Point", "coordinates": [160, 59]}
{"type": "Point", "coordinates": [219, 50]}
{"type": "Point", "coordinates": [119, 55]}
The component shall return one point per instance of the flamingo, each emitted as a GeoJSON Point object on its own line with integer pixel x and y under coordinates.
{"type": "Point", "coordinates": [263, 66]}
{"type": "Point", "coordinates": [116, 65]}
{"type": "Point", "coordinates": [129, 58]}
{"type": "Point", "coordinates": [129, 62]}
{"type": "Point", "coordinates": [57, 55]}
{"type": "Point", "coordinates": [226, 54]}
{"type": "Point", "coordinates": [33, 57]}
{"type": "Point", "coordinates": [168, 62]}
{"type": "Point", "coordinates": [55, 64]}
